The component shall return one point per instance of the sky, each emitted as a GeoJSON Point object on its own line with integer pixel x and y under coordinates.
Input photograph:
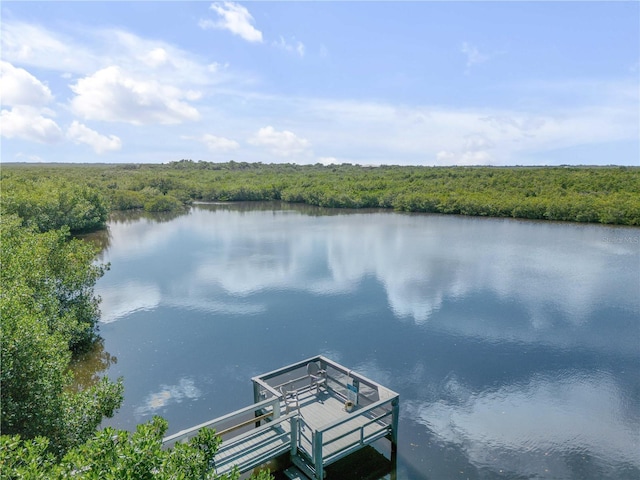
{"type": "Point", "coordinates": [369, 83]}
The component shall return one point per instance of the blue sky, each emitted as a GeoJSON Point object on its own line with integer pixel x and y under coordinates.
{"type": "Point", "coordinates": [420, 83]}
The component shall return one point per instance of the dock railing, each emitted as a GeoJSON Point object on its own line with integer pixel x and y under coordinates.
{"type": "Point", "coordinates": [343, 437]}
{"type": "Point", "coordinates": [340, 379]}
{"type": "Point", "coordinates": [241, 420]}
{"type": "Point", "coordinates": [259, 432]}
{"type": "Point", "coordinates": [375, 414]}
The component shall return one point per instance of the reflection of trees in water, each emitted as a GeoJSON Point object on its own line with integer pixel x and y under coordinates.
{"type": "Point", "coordinates": [88, 367]}
{"type": "Point", "coordinates": [100, 238]}
{"type": "Point", "coordinates": [278, 206]}
{"type": "Point", "coordinates": [131, 216]}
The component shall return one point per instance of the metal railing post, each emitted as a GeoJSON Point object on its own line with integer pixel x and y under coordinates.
{"type": "Point", "coordinates": [276, 407]}
{"type": "Point", "coordinates": [256, 392]}
{"type": "Point", "coordinates": [395, 404]}
{"type": "Point", "coordinates": [256, 399]}
{"type": "Point", "coordinates": [317, 455]}
{"type": "Point", "coordinates": [294, 436]}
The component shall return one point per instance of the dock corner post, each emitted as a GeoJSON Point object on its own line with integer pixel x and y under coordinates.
{"type": "Point", "coordinates": [317, 455]}
{"type": "Point", "coordinates": [256, 399]}
{"type": "Point", "coordinates": [256, 392]}
{"type": "Point", "coordinates": [294, 436]}
{"type": "Point", "coordinates": [395, 404]}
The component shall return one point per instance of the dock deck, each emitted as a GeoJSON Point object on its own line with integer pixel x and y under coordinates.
{"type": "Point", "coordinates": [301, 409]}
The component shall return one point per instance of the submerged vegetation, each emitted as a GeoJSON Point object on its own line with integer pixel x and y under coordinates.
{"type": "Point", "coordinates": [609, 195]}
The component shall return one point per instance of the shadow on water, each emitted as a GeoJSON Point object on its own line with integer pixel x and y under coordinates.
{"type": "Point", "coordinates": [365, 464]}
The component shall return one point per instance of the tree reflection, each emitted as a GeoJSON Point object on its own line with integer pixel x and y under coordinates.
{"type": "Point", "coordinates": [132, 216]}
{"type": "Point", "coordinates": [100, 238]}
{"type": "Point", "coordinates": [279, 206]}
{"type": "Point", "coordinates": [87, 367]}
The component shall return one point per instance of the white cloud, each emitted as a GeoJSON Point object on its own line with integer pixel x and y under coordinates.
{"type": "Point", "coordinates": [156, 57]}
{"type": "Point", "coordinates": [112, 95]}
{"type": "Point", "coordinates": [294, 47]}
{"type": "Point", "coordinates": [28, 158]}
{"type": "Point", "coordinates": [217, 144]}
{"type": "Point", "coordinates": [445, 158]}
{"type": "Point", "coordinates": [377, 132]}
{"type": "Point", "coordinates": [28, 44]}
{"type": "Point", "coordinates": [149, 57]}
{"type": "Point", "coordinates": [236, 19]}
{"type": "Point", "coordinates": [282, 143]}
{"type": "Point", "coordinates": [80, 133]}
{"type": "Point", "coordinates": [28, 123]}
{"type": "Point", "coordinates": [83, 51]}
{"type": "Point", "coordinates": [28, 97]}
{"type": "Point", "coordinates": [19, 87]}
{"type": "Point", "coordinates": [120, 76]}
{"type": "Point", "coordinates": [473, 150]}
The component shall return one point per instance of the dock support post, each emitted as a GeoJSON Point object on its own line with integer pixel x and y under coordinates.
{"type": "Point", "coordinates": [395, 416]}
{"type": "Point", "coordinates": [317, 455]}
{"type": "Point", "coordinates": [294, 436]}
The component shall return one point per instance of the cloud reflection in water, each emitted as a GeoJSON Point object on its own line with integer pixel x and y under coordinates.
{"type": "Point", "coordinates": [548, 417]}
{"type": "Point", "coordinates": [168, 394]}
{"type": "Point", "coordinates": [420, 260]}
{"type": "Point", "coordinates": [480, 293]}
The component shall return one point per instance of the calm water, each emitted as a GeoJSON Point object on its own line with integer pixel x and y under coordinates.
{"type": "Point", "coordinates": [514, 345]}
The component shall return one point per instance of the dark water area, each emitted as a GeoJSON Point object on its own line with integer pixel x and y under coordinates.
{"type": "Point", "coordinates": [514, 345]}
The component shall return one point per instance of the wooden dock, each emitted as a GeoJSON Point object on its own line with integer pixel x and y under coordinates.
{"type": "Point", "coordinates": [301, 410]}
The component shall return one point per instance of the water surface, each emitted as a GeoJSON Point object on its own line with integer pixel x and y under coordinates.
{"type": "Point", "coordinates": [514, 345]}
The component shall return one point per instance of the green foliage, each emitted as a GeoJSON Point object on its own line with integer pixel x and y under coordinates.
{"type": "Point", "coordinates": [162, 203]}
{"type": "Point", "coordinates": [115, 455]}
{"type": "Point", "coordinates": [577, 194]}
{"type": "Point", "coordinates": [48, 309]}
{"type": "Point", "coordinates": [126, 200]}
{"type": "Point", "coordinates": [50, 204]}
{"type": "Point", "coordinates": [49, 312]}
{"type": "Point", "coordinates": [56, 275]}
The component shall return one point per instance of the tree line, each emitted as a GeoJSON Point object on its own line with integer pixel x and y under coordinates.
{"type": "Point", "coordinates": [609, 195]}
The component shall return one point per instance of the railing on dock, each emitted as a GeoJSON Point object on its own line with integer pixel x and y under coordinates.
{"type": "Point", "coordinates": [232, 422]}
{"type": "Point", "coordinates": [247, 442]}
{"type": "Point", "coordinates": [315, 434]}
{"type": "Point", "coordinates": [338, 378]}
{"type": "Point", "coordinates": [376, 415]}
{"type": "Point", "coordinates": [343, 437]}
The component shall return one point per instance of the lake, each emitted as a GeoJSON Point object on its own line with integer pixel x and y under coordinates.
{"type": "Point", "coordinates": [514, 345]}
